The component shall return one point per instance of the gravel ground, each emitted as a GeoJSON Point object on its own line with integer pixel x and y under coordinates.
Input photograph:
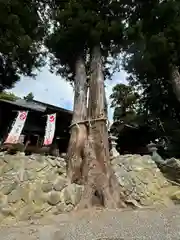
{"type": "Point", "coordinates": [95, 225]}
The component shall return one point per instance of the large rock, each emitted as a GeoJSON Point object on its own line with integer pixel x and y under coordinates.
{"type": "Point", "coordinates": [72, 194]}
{"type": "Point", "coordinates": [142, 180]}
{"type": "Point", "coordinates": [176, 196]}
{"type": "Point", "coordinates": [60, 183]}
{"type": "Point", "coordinates": [47, 187]}
{"type": "Point", "coordinates": [171, 169]}
{"type": "Point", "coordinates": [54, 198]}
{"type": "Point", "coordinates": [14, 197]}
{"type": "Point", "coordinates": [8, 188]}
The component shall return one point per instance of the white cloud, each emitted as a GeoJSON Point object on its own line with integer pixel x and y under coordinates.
{"type": "Point", "coordinates": [52, 89]}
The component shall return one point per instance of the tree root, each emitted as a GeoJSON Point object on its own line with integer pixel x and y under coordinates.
{"type": "Point", "coordinates": [101, 188]}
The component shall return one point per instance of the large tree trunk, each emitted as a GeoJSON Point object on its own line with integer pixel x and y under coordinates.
{"type": "Point", "coordinates": [175, 79]}
{"type": "Point", "coordinates": [79, 130]}
{"type": "Point", "coordinates": [100, 182]}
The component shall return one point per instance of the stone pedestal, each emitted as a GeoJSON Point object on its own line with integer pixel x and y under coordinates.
{"type": "Point", "coordinates": [113, 153]}
{"type": "Point", "coordinates": [152, 147]}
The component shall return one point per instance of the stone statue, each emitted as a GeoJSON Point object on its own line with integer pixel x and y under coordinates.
{"type": "Point", "coordinates": [113, 152]}
{"type": "Point", "coordinates": [152, 147]}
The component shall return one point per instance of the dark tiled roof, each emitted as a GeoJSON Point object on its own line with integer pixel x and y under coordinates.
{"type": "Point", "coordinates": [55, 108]}
{"type": "Point", "coordinates": [25, 104]}
{"type": "Point", "coordinates": [36, 105]}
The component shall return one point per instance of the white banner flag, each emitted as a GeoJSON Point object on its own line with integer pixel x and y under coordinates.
{"type": "Point", "coordinates": [50, 129]}
{"type": "Point", "coordinates": [17, 127]}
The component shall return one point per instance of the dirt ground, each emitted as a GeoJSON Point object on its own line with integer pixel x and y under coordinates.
{"type": "Point", "coordinates": [99, 224]}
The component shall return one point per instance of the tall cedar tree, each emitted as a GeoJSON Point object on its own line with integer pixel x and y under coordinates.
{"type": "Point", "coordinates": [84, 34]}
{"type": "Point", "coordinates": [22, 30]}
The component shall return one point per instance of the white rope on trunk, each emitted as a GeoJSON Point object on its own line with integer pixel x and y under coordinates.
{"type": "Point", "coordinates": [88, 121]}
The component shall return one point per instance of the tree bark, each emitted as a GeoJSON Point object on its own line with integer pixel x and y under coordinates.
{"type": "Point", "coordinates": [78, 131]}
{"type": "Point", "coordinates": [101, 184]}
{"type": "Point", "coordinates": [175, 78]}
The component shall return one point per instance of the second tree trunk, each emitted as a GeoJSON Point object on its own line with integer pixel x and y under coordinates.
{"type": "Point", "coordinates": [101, 185]}
{"type": "Point", "coordinates": [78, 127]}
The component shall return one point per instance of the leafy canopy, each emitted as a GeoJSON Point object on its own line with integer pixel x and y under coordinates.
{"type": "Point", "coordinates": [152, 47]}
{"type": "Point", "coordinates": [80, 25]}
{"type": "Point", "coordinates": [124, 102]}
{"type": "Point", "coordinates": [8, 96]}
{"type": "Point", "coordinates": [29, 97]}
{"type": "Point", "coordinates": [22, 30]}
{"type": "Point", "coordinates": [153, 30]}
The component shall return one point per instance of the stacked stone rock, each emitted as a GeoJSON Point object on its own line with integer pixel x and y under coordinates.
{"type": "Point", "coordinates": [171, 169]}
{"type": "Point", "coordinates": [143, 181]}
{"type": "Point", "coordinates": [36, 186]}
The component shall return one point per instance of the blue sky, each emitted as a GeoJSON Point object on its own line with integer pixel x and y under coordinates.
{"type": "Point", "coordinates": [52, 89]}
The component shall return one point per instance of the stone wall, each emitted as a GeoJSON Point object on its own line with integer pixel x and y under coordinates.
{"type": "Point", "coordinates": [32, 187]}
{"type": "Point", "coordinates": [35, 186]}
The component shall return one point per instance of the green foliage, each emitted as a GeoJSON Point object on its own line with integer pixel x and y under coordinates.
{"type": "Point", "coordinates": [152, 47]}
{"type": "Point", "coordinates": [131, 125]}
{"type": "Point", "coordinates": [29, 97]}
{"type": "Point", "coordinates": [8, 96]}
{"type": "Point", "coordinates": [22, 30]}
{"type": "Point", "coordinates": [127, 107]}
{"type": "Point", "coordinates": [80, 25]}
{"type": "Point", "coordinates": [124, 100]}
